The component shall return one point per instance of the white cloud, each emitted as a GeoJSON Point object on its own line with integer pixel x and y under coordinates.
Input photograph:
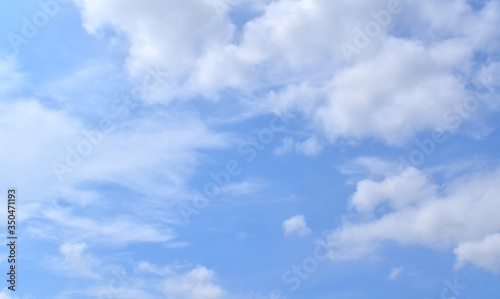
{"type": "Point", "coordinates": [296, 225]}
{"type": "Point", "coordinates": [147, 267]}
{"type": "Point", "coordinates": [4, 294]}
{"type": "Point", "coordinates": [149, 144]}
{"type": "Point", "coordinates": [484, 253]}
{"type": "Point", "coordinates": [153, 281]}
{"type": "Point", "coordinates": [309, 147]}
{"type": "Point", "coordinates": [198, 283]}
{"type": "Point", "coordinates": [10, 77]}
{"type": "Point", "coordinates": [395, 273]}
{"type": "Point", "coordinates": [71, 89]}
{"type": "Point", "coordinates": [290, 45]}
{"type": "Point", "coordinates": [378, 97]}
{"type": "Point", "coordinates": [121, 230]}
{"type": "Point", "coordinates": [160, 157]}
{"type": "Point", "coordinates": [26, 128]}
{"type": "Point", "coordinates": [129, 292]}
{"type": "Point", "coordinates": [249, 187]}
{"type": "Point", "coordinates": [366, 165]}
{"type": "Point", "coordinates": [172, 34]}
{"type": "Point", "coordinates": [375, 95]}
{"type": "Point", "coordinates": [415, 210]}
{"type": "Point", "coordinates": [388, 99]}
{"type": "Point", "coordinates": [370, 194]}
{"type": "Point", "coordinates": [172, 281]}
{"type": "Point", "coordinates": [285, 148]}
{"type": "Point", "coordinates": [74, 261]}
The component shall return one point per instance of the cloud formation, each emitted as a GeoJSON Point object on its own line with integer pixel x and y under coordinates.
{"type": "Point", "coordinates": [395, 273]}
{"type": "Point", "coordinates": [415, 211]}
{"type": "Point", "coordinates": [296, 225]}
{"type": "Point", "coordinates": [284, 50]}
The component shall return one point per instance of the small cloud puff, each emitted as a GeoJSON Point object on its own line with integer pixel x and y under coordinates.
{"type": "Point", "coordinates": [310, 147]}
{"type": "Point", "coordinates": [296, 225]}
{"type": "Point", "coordinates": [395, 273]}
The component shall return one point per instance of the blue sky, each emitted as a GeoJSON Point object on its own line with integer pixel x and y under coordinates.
{"type": "Point", "coordinates": [266, 149]}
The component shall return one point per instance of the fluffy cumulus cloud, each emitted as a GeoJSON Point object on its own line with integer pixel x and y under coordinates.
{"type": "Point", "coordinates": [380, 96]}
{"type": "Point", "coordinates": [291, 48]}
{"type": "Point", "coordinates": [376, 95]}
{"type": "Point", "coordinates": [392, 191]}
{"type": "Point", "coordinates": [172, 35]}
{"type": "Point", "coordinates": [296, 225]}
{"type": "Point", "coordinates": [484, 253]}
{"type": "Point", "coordinates": [381, 70]}
{"type": "Point", "coordinates": [198, 283]}
{"type": "Point", "coordinates": [414, 210]}
{"type": "Point", "coordinates": [355, 69]}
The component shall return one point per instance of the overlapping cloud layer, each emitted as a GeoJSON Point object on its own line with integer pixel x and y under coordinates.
{"type": "Point", "coordinates": [401, 79]}
{"type": "Point", "coordinates": [354, 70]}
{"type": "Point", "coordinates": [410, 73]}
